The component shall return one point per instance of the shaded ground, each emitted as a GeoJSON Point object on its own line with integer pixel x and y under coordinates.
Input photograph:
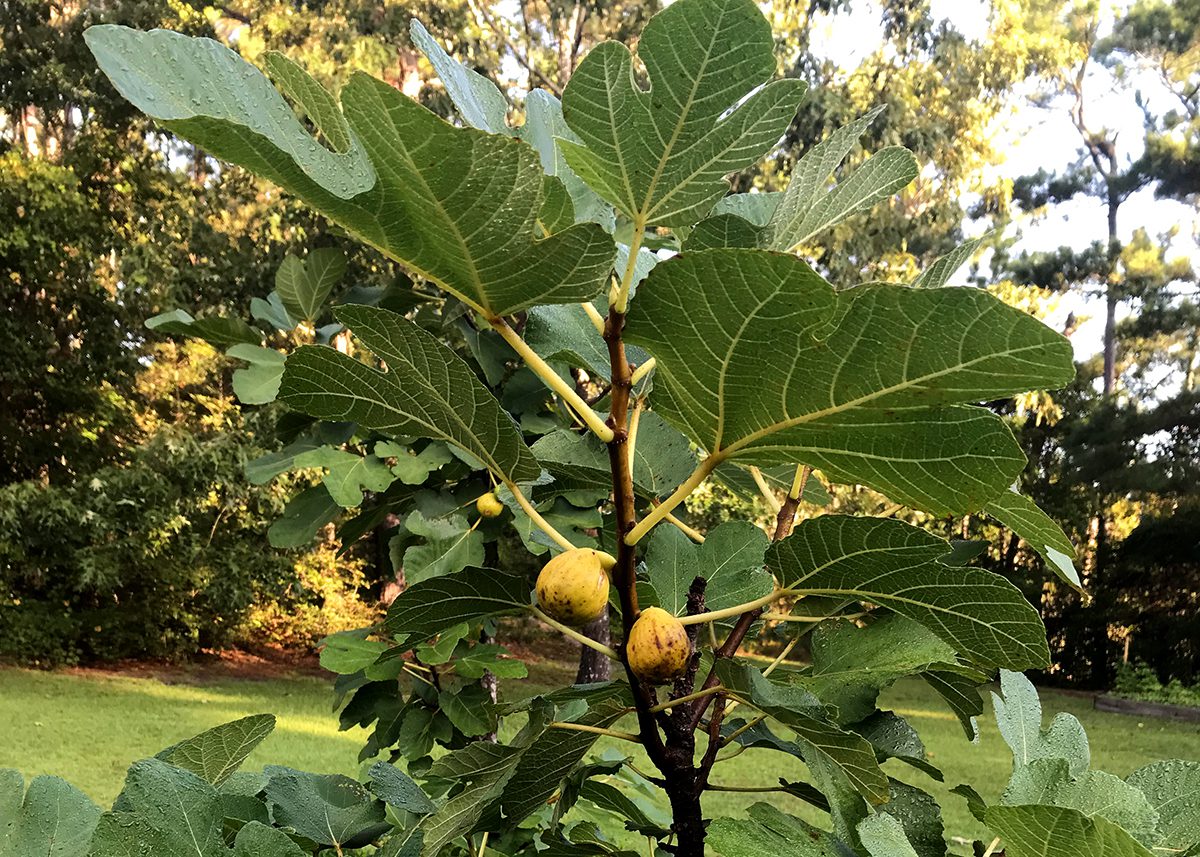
{"type": "Point", "coordinates": [260, 665]}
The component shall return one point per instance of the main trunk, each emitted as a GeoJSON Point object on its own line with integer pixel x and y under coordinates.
{"type": "Point", "coordinates": [688, 818]}
{"type": "Point", "coordinates": [595, 666]}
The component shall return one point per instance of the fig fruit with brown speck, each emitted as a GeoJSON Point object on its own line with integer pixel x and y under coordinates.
{"type": "Point", "coordinates": [658, 647]}
{"type": "Point", "coordinates": [573, 587]}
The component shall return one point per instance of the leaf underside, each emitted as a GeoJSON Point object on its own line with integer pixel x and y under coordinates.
{"type": "Point", "coordinates": [661, 155]}
{"type": "Point", "coordinates": [760, 360]}
{"type": "Point", "coordinates": [455, 205]}
{"type": "Point", "coordinates": [427, 390]}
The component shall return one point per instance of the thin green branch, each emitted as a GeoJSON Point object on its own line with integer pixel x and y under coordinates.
{"type": "Point", "coordinates": [642, 371]}
{"type": "Point", "coordinates": [594, 317]}
{"type": "Point", "coordinates": [597, 730]}
{"type": "Point", "coordinates": [620, 300]}
{"type": "Point", "coordinates": [660, 512]}
{"type": "Point", "coordinates": [552, 379]}
{"type": "Point", "coordinates": [568, 631]}
{"type": "Point", "coordinates": [692, 533]}
{"type": "Point", "coordinates": [765, 490]}
{"type": "Point", "coordinates": [747, 789]}
{"type": "Point", "coordinates": [671, 703]}
{"type": "Point", "coordinates": [791, 617]}
{"type": "Point", "coordinates": [735, 610]}
{"type": "Point", "coordinates": [546, 527]}
{"type": "Point", "coordinates": [803, 471]}
{"type": "Point", "coordinates": [750, 724]}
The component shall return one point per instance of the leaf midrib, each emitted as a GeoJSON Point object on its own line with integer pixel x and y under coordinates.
{"type": "Point", "coordinates": [435, 429]}
{"type": "Point", "coordinates": [646, 210]}
{"type": "Point", "coordinates": [460, 239]}
{"type": "Point", "coordinates": [883, 597]}
{"type": "Point", "coordinates": [812, 416]}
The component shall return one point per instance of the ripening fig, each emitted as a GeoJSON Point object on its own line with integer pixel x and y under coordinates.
{"type": "Point", "coordinates": [489, 505]}
{"type": "Point", "coordinates": [573, 587]}
{"type": "Point", "coordinates": [658, 647]}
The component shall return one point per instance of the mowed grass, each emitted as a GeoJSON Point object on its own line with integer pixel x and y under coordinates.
{"type": "Point", "coordinates": [88, 727]}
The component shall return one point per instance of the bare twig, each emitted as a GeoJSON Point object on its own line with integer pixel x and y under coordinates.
{"type": "Point", "coordinates": [516, 52]}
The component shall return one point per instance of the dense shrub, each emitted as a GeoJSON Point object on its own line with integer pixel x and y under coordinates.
{"type": "Point", "coordinates": [157, 558]}
{"type": "Point", "coordinates": [326, 596]}
{"type": "Point", "coordinates": [1138, 680]}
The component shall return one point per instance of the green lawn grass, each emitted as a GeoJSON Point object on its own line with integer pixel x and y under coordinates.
{"type": "Point", "coordinates": [87, 728]}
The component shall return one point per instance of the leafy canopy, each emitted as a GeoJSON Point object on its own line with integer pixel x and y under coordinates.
{"type": "Point", "coordinates": [660, 156]}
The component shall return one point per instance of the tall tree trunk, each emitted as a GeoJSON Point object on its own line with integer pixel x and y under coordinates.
{"type": "Point", "coordinates": [593, 665]}
{"type": "Point", "coordinates": [1111, 296]}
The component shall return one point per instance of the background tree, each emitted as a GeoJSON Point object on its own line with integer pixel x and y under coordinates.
{"type": "Point", "coordinates": [1117, 455]}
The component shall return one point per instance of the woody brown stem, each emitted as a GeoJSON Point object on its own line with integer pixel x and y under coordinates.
{"type": "Point", "coordinates": [675, 756]}
{"type": "Point", "coordinates": [624, 572]}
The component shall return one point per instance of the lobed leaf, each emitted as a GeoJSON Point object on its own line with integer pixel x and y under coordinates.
{"type": "Point", "coordinates": [455, 205]}
{"type": "Point", "coordinates": [256, 839]}
{"type": "Point", "coordinates": [760, 360]}
{"type": "Point", "coordinates": [258, 383]}
{"type": "Point", "coordinates": [1094, 793]}
{"type": "Point", "coordinates": [887, 562]}
{"type": "Point", "coordinates": [1173, 789]}
{"type": "Point", "coordinates": [303, 285]}
{"type": "Point", "coordinates": [218, 330]}
{"type": "Point", "coordinates": [450, 545]}
{"type": "Point", "coordinates": [330, 809]}
{"type": "Point", "coordinates": [427, 390]}
{"type": "Point", "coordinates": [961, 693]}
{"type": "Point", "coordinates": [883, 836]}
{"type": "Point", "coordinates": [397, 789]}
{"type": "Point", "coordinates": [662, 457]}
{"type": "Point", "coordinates": [821, 743]}
{"type": "Point", "coordinates": [304, 514]}
{"type": "Point", "coordinates": [1050, 831]}
{"type": "Point", "coordinates": [162, 809]}
{"type": "Point", "coordinates": [1023, 517]}
{"type": "Point", "coordinates": [661, 155]}
{"type": "Point", "coordinates": [544, 127]}
{"type": "Point", "coordinates": [215, 754]}
{"type": "Point", "coordinates": [478, 101]}
{"type": "Point", "coordinates": [893, 737]}
{"type": "Point", "coordinates": [852, 664]}
{"type": "Point", "coordinates": [429, 607]}
{"type": "Point", "coordinates": [1019, 718]}
{"type": "Point", "coordinates": [770, 831]}
{"type": "Point", "coordinates": [51, 819]}
{"type": "Point", "coordinates": [808, 207]}
{"type": "Point", "coordinates": [348, 474]}
{"type": "Point", "coordinates": [730, 560]}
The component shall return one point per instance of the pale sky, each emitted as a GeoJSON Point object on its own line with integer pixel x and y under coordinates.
{"type": "Point", "coordinates": [1035, 137]}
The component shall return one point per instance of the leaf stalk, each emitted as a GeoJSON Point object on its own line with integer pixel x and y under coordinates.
{"type": "Point", "coordinates": [546, 527]}
{"type": "Point", "coordinates": [596, 730]}
{"type": "Point", "coordinates": [620, 301]}
{"type": "Point", "coordinates": [552, 379]}
{"type": "Point", "coordinates": [660, 512]}
{"type": "Point", "coordinates": [568, 631]}
{"type": "Point", "coordinates": [735, 610]}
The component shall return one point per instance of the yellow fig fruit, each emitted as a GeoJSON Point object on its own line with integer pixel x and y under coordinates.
{"type": "Point", "coordinates": [489, 505]}
{"type": "Point", "coordinates": [658, 647]}
{"type": "Point", "coordinates": [573, 587]}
